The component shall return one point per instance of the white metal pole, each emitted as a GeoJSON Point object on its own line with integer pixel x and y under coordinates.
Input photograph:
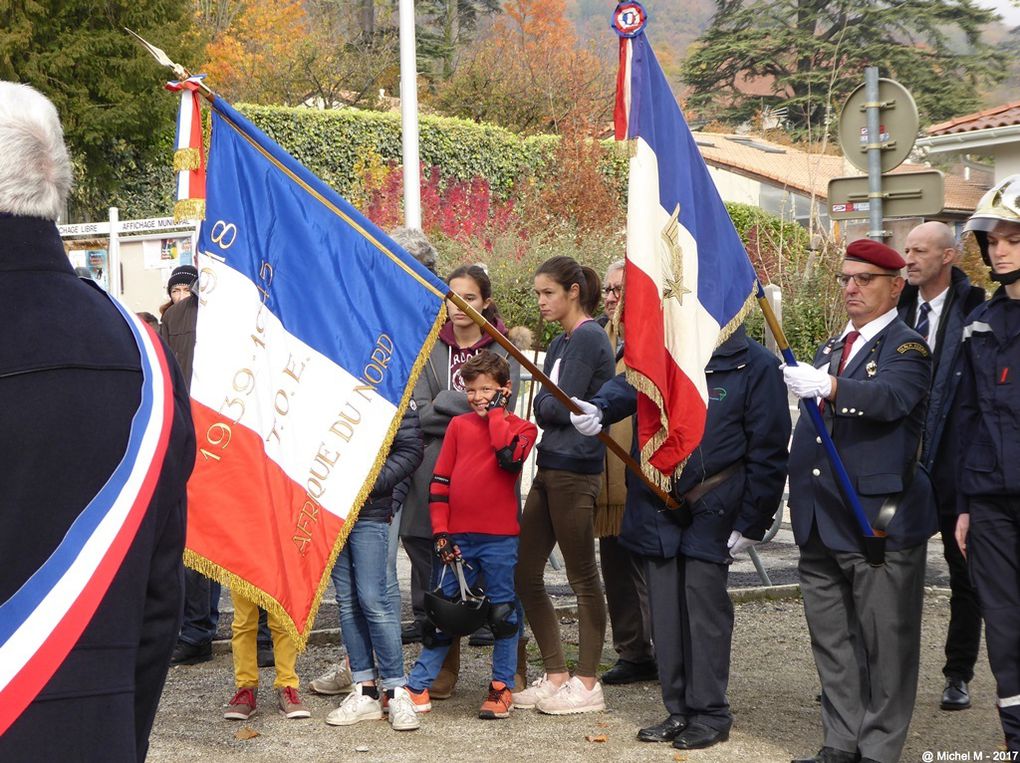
{"type": "Point", "coordinates": [113, 254]}
{"type": "Point", "coordinates": [409, 116]}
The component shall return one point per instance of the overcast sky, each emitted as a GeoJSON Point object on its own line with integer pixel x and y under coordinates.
{"type": "Point", "coordinates": [1009, 12]}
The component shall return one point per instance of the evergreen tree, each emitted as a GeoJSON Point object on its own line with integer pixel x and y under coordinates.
{"type": "Point", "coordinates": [106, 88]}
{"type": "Point", "coordinates": [807, 55]}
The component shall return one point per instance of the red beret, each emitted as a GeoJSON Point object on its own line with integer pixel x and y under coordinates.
{"type": "Point", "coordinates": [876, 253]}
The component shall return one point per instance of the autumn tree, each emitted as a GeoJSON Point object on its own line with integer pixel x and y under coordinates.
{"type": "Point", "coordinates": [807, 55]}
{"type": "Point", "coordinates": [529, 73]}
{"type": "Point", "coordinates": [447, 26]}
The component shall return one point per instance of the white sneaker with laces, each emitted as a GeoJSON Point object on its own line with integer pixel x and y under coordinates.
{"type": "Point", "coordinates": [332, 682]}
{"type": "Point", "coordinates": [539, 690]}
{"type": "Point", "coordinates": [355, 708]}
{"type": "Point", "coordinates": [573, 698]}
{"type": "Point", "coordinates": [403, 716]}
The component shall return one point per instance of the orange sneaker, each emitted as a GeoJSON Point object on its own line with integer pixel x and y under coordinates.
{"type": "Point", "coordinates": [422, 701]}
{"type": "Point", "coordinates": [498, 704]}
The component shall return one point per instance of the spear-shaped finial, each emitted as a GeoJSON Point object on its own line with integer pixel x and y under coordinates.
{"type": "Point", "coordinates": [164, 60]}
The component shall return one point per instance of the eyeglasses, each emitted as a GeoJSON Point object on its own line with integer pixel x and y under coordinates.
{"type": "Point", "coordinates": [615, 290]}
{"type": "Point", "coordinates": [861, 279]}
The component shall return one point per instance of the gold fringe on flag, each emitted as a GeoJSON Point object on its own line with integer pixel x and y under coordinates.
{"type": "Point", "coordinates": [187, 159]}
{"type": "Point", "coordinates": [189, 209]}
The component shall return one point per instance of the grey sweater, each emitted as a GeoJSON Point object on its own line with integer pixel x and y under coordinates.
{"type": "Point", "coordinates": [586, 362]}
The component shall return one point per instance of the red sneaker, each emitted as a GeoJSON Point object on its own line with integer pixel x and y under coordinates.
{"type": "Point", "coordinates": [498, 704]}
{"type": "Point", "coordinates": [242, 706]}
{"type": "Point", "coordinates": [422, 701]}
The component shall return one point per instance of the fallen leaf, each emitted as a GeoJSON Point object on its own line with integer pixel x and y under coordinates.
{"type": "Point", "coordinates": [599, 738]}
{"type": "Point", "coordinates": [246, 732]}
{"type": "Point", "coordinates": [602, 725]}
{"type": "Point", "coordinates": [681, 757]}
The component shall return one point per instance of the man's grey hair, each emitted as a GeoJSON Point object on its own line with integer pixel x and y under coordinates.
{"type": "Point", "coordinates": [35, 169]}
{"type": "Point", "coordinates": [613, 267]}
{"type": "Point", "coordinates": [417, 245]}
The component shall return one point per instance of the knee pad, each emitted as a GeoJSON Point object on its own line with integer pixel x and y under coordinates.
{"type": "Point", "coordinates": [500, 620]}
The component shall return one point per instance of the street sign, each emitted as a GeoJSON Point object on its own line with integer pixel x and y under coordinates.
{"type": "Point", "coordinates": [897, 131]}
{"type": "Point", "coordinates": [906, 194]}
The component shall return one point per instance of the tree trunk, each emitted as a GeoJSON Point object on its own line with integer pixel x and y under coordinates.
{"type": "Point", "coordinates": [368, 18]}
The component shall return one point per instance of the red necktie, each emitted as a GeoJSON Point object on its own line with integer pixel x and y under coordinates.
{"type": "Point", "coordinates": [848, 344]}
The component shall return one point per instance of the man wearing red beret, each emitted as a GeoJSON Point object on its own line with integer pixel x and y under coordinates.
{"type": "Point", "coordinates": [865, 621]}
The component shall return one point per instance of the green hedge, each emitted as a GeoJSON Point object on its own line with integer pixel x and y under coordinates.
{"type": "Point", "coordinates": [329, 143]}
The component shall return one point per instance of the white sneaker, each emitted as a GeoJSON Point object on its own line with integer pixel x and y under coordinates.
{"type": "Point", "coordinates": [336, 681]}
{"type": "Point", "coordinates": [355, 708]}
{"type": "Point", "coordinates": [538, 690]}
{"type": "Point", "coordinates": [403, 716]}
{"type": "Point", "coordinates": [573, 698]}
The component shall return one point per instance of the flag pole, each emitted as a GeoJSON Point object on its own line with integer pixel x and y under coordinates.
{"type": "Point", "coordinates": [179, 71]}
{"type": "Point", "coordinates": [873, 538]}
{"type": "Point", "coordinates": [537, 374]}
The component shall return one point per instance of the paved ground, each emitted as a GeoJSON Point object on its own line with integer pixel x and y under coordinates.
{"type": "Point", "coordinates": [772, 692]}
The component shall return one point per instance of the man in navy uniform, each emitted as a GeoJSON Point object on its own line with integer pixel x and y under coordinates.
{"type": "Point", "coordinates": [936, 300]}
{"type": "Point", "coordinates": [864, 619]}
{"type": "Point", "coordinates": [729, 491]}
{"type": "Point", "coordinates": [71, 382]}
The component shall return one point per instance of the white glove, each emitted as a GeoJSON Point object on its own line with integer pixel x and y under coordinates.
{"type": "Point", "coordinates": [807, 381]}
{"type": "Point", "coordinates": [738, 544]}
{"type": "Point", "coordinates": [589, 421]}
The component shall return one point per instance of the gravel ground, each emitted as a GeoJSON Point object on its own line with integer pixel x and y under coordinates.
{"type": "Point", "coordinates": [772, 691]}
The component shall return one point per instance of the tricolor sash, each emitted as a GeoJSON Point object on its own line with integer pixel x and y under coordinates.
{"type": "Point", "coordinates": [43, 620]}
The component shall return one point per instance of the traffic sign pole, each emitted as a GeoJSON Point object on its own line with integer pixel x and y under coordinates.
{"type": "Point", "coordinates": [874, 113]}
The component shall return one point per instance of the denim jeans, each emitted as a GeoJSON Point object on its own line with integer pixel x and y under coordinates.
{"type": "Point", "coordinates": [496, 557]}
{"type": "Point", "coordinates": [201, 608]}
{"type": "Point", "coordinates": [392, 584]}
{"type": "Point", "coordinates": [367, 619]}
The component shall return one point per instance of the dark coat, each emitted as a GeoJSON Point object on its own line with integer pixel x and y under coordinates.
{"type": "Point", "coordinates": [403, 458]}
{"type": "Point", "coordinates": [989, 400]}
{"type": "Point", "coordinates": [178, 331]}
{"type": "Point", "coordinates": [876, 424]}
{"type": "Point", "coordinates": [940, 453]}
{"type": "Point", "coordinates": [70, 377]}
{"type": "Point", "coordinates": [749, 423]}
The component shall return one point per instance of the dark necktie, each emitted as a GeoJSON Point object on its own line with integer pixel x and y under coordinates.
{"type": "Point", "coordinates": [921, 327]}
{"type": "Point", "coordinates": [848, 344]}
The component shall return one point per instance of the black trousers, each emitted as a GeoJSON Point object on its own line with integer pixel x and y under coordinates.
{"type": "Point", "coordinates": [993, 553]}
{"type": "Point", "coordinates": [692, 628]}
{"type": "Point", "coordinates": [623, 576]}
{"type": "Point", "coordinates": [419, 551]}
{"type": "Point", "coordinates": [963, 639]}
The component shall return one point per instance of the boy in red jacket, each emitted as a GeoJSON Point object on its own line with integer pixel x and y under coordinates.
{"type": "Point", "coordinates": [474, 508]}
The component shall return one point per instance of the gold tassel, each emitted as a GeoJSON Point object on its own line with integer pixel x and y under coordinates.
{"type": "Point", "coordinates": [608, 520]}
{"type": "Point", "coordinates": [187, 159]}
{"type": "Point", "coordinates": [189, 209]}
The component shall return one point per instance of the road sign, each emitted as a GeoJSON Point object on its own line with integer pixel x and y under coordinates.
{"type": "Point", "coordinates": [907, 194]}
{"type": "Point", "coordinates": [897, 132]}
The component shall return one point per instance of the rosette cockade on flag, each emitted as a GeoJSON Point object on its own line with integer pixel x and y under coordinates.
{"type": "Point", "coordinates": [312, 327]}
{"type": "Point", "coordinates": [688, 280]}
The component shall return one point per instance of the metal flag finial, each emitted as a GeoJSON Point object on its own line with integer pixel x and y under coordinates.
{"type": "Point", "coordinates": [179, 71]}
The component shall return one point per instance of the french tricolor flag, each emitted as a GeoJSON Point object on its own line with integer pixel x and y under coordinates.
{"type": "Point", "coordinates": [688, 280]}
{"type": "Point", "coordinates": [312, 326]}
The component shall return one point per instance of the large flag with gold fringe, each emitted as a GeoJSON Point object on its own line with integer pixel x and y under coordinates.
{"type": "Point", "coordinates": [312, 326]}
{"type": "Point", "coordinates": [688, 280]}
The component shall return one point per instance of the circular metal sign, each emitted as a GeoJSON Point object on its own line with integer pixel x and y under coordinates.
{"type": "Point", "coordinates": [898, 120]}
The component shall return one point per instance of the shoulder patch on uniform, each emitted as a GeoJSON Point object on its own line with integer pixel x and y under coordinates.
{"type": "Point", "coordinates": [916, 346]}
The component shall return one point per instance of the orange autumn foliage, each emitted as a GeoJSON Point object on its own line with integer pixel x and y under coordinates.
{"type": "Point", "coordinates": [255, 60]}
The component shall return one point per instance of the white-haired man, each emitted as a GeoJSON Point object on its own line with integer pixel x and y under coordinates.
{"type": "Point", "coordinates": [97, 447]}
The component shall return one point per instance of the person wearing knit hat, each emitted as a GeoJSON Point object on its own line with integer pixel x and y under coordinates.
{"type": "Point", "coordinates": [864, 614]}
{"type": "Point", "coordinates": [180, 283]}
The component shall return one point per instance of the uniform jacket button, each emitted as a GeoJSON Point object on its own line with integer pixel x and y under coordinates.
{"type": "Point", "coordinates": [816, 472]}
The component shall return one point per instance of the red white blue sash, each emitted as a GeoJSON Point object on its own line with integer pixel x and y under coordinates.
{"type": "Point", "coordinates": [43, 620]}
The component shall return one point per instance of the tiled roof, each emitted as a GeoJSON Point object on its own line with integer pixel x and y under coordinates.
{"type": "Point", "coordinates": [808, 173]}
{"type": "Point", "coordinates": [1000, 116]}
